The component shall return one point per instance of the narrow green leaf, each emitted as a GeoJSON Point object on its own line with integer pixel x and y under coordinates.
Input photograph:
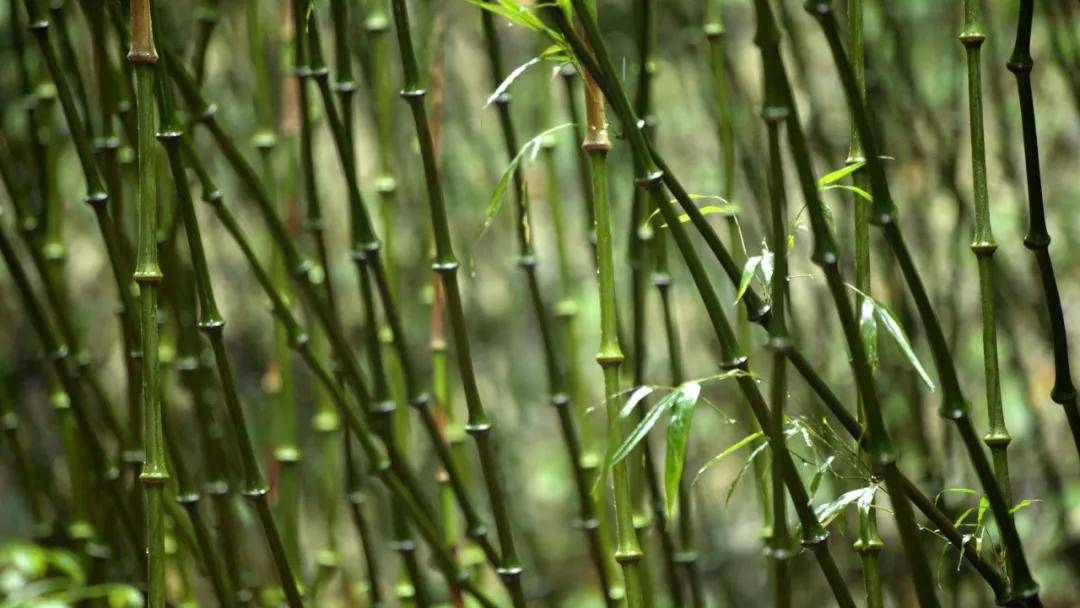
{"type": "Point", "coordinates": [678, 433]}
{"type": "Point", "coordinates": [857, 190]}
{"type": "Point", "coordinates": [639, 432]}
{"type": "Point", "coordinates": [735, 447]}
{"type": "Point", "coordinates": [839, 174]}
{"type": "Point", "coordinates": [747, 276]}
{"type": "Point", "coordinates": [742, 471]}
{"type": "Point", "coordinates": [727, 208]}
{"type": "Point", "coordinates": [509, 80]}
{"type": "Point", "coordinates": [1023, 504]}
{"type": "Point", "coordinates": [495, 203]}
{"type": "Point", "coordinates": [892, 325]}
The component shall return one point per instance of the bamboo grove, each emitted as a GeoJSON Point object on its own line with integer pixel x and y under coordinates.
{"type": "Point", "coordinates": [512, 303]}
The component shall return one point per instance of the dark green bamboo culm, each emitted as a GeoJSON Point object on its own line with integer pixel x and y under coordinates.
{"type": "Point", "coordinates": [814, 534]}
{"type": "Point", "coordinates": [954, 406]}
{"type": "Point", "coordinates": [559, 392]}
{"type": "Point", "coordinates": [254, 486]}
{"type": "Point", "coordinates": [479, 424]}
{"type": "Point", "coordinates": [16, 442]}
{"type": "Point", "coordinates": [155, 472]}
{"type": "Point", "coordinates": [207, 16]}
{"type": "Point", "coordinates": [385, 463]}
{"type": "Point", "coordinates": [1038, 237]}
{"type": "Point", "coordinates": [366, 250]}
{"type": "Point", "coordinates": [869, 544]}
{"type": "Point", "coordinates": [774, 112]}
{"type": "Point", "coordinates": [96, 195]}
{"type": "Point", "coordinates": [759, 313]}
{"type": "Point", "coordinates": [984, 246]}
{"type": "Point", "coordinates": [59, 357]}
{"type": "Point", "coordinates": [596, 144]}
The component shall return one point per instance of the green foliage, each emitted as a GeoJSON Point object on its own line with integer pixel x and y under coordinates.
{"type": "Point", "coordinates": [33, 576]}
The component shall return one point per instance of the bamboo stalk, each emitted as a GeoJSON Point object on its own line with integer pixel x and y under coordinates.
{"type": "Point", "coordinates": [1038, 237]}
{"type": "Point", "coordinates": [954, 406]}
{"type": "Point", "coordinates": [869, 543]}
{"type": "Point", "coordinates": [984, 246]}
{"type": "Point", "coordinates": [155, 471]}
{"type": "Point", "coordinates": [774, 112]}
{"type": "Point", "coordinates": [479, 425]}
{"type": "Point", "coordinates": [387, 464]}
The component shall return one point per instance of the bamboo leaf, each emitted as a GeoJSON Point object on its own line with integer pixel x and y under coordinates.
{"type": "Point", "coordinates": [495, 203]}
{"type": "Point", "coordinates": [742, 471]}
{"type": "Point", "coordinates": [678, 434]}
{"type": "Point", "coordinates": [839, 174]}
{"type": "Point", "coordinates": [857, 190]}
{"type": "Point", "coordinates": [640, 431]}
{"type": "Point", "coordinates": [735, 447]}
{"type": "Point", "coordinates": [819, 474]}
{"type": "Point", "coordinates": [747, 276]}
{"type": "Point", "coordinates": [899, 336]}
{"type": "Point", "coordinates": [868, 332]}
{"type": "Point", "coordinates": [635, 398]}
{"type": "Point", "coordinates": [726, 208]}
{"type": "Point", "coordinates": [896, 331]}
{"type": "Point", "coordinates": [827, 512]}
{"type": "Point", "coordinates": [1023, 504]}
{"type": "Point", "coordinates": [509, 80]}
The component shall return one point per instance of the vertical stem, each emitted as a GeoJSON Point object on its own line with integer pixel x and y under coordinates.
{"type": "Point", "coordinates": [869, 543]}
{"type": "Point", "coordinates": [1038, 237]}
{"type": "Point", "coordinates": [596, 144]}
{"type": "Point", "coordinates": [984, 246]}
{"type": "Point", "coordinates": [148, 276]}
{"type": "Point", "coordinates": [446, 264]}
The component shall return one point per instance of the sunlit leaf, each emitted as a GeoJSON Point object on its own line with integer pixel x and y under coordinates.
{"type": "Point", "coordinates": [635, 398]}
{"type": "Point", "coordinates": [495, 203]}
{"type": "Point", "coordinates": [742, 471]}
{"type": "Point", "coordinates": [827, 512]}
{"type": "Point", "coordinates": [868, 332]}
{"type": "Point", "coordinates": [857, 190]}
{"type": "Point", "coordinates": [682, 413]}
{"type": "Point", "coordinates": [888, 320]}
{"type": "Point", "coordinates": [735, 447]}
{"type": "Point", "coordinates": [726, 208]}
{"type": "Point", "coordinates": [1023, 504]}
{"type": "Point", "coordinates": [509, 80]}
{"type": "Point", "coordinates": [747, 276]}
{"type": "Point", "coordinates": [839, 174]}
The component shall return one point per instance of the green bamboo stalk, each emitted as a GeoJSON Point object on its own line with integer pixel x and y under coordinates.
{"type": "Point", "coordinates": [774, 113]}
{"type": "Point", "coordinates": [196, 377]}
{"type": "Point", "coordinates": [984, 246]}
{"type": "Point", "coordinates": [628, 551]}
{"type": "Point", "coordinates": [155, 471]}
{"type": "Point", "coordinates": [96, 195]}
{"type": "Point", "coordinates": [358, 498]}
{"type": "Point", "coordinates": [212, 325]}
{"type": "Point", "coordinates": [869, 543]}
{"type": "Point", "coordinates": [388, 465]}
{"type": "Point", "coordinates": [716, 36]}
{"type": "Point", "coordinates": [366, 250]}
{"type": "Point", "coordinates": [58, 355]}
{"type": "Point", "coordinates": [820, 388]}
{"type": "Point", "coordinates": [446, 264]}
{"type": "Point", "coordinates": [559, 390]}
{"type": "Point", "coordinates": [814, 534]}
{"type": "Point", "coordinates": [59, 14]}
{"type": "Point", "coordinates": [206, 19]}
{"type": "Point", "coordinates": [188, 497]}
{"type": "Point", "coordinates": [36, 500]}
{"type": "Point", "coordinates": [954, 406]}
{"type": "Point", "coordinates": [1038, 237]}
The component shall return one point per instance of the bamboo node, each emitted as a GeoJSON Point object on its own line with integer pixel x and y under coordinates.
{"type": "Point", "coordinates": [96, 198]}
{"type": "Point", "coordinates": [628, 556]}
{"type": "Point", "coordinates": [997, 439]}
